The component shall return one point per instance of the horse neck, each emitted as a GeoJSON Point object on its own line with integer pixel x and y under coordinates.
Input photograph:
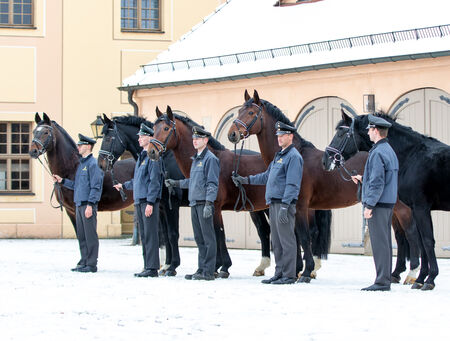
{"type": "Point", "coordinates": [268, 145]}
{"type": "Point", "coordinates": [183, 149]}
{"type": "Point", "coordinates": [131, 140]}
{"type": "Point", "coordinates": [403, 141]}
{"type": "Point", "coordinates": [63, 159]}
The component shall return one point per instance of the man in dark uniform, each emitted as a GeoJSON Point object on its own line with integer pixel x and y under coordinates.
{"type": "Point", "coordinates": [203, 185]}
{"type": "Point", "coordinates": [379, 194]}
{"type": "Point", "coordinates": [282, 178]}
{"type": "Point", "coordinates": [147, 187]}
{"type": "Point", "coordinates": [87, 186]}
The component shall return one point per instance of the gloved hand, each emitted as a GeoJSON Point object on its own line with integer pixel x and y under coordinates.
{"type": "Point", "coordinates": [172, 183]}
{"type": "Point", "coordinates": [208, 209]}
{"type": "Point", "coordinates": [282, 214]}
{"type": "Point", "coordinates": [239, 180]}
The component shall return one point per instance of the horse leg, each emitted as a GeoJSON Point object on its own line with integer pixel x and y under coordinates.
{"type": "Point", "coordinates": [400, 265]}
{"type": "Point", "coordinates": [425, 225]}
{"type": "Point", "coordinates": [321, 239]}
{"type": "Point", "coordinates": [223, 260]}
{"type": "Point", "coordinates": [263, 229]}
{"type": "Point", "coordinates": [301, 223]}
{"type": "Point", "coordinates": [412, 235]}
{"type": "Point", "coordinates": [173, 236]}
{"type": "Point", "coordinates": [164, 246]}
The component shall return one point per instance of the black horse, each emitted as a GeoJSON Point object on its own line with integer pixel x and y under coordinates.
{"type": "Point", "coordinates": [423, 178]}
{"type": "Point", "coordinates": [119, 135]}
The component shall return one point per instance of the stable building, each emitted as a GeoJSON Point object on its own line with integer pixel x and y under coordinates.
{"type": "Point", "coordinates": [311, 59]}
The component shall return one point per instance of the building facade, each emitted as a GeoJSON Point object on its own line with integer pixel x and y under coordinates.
{"type": "Point", "coordinates": [52, 55]}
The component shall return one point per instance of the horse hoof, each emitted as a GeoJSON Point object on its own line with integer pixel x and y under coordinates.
{"type": "Point", "coordinates": [313, 275]}
{"type": "Point", "coordinates": [427, 286]}
{"type": "Point", "coordinates": [409, 280]}
{"type": "Point", "coordinates": [170, 273]}
{"type": "Point", "coordinates": [395, 279]}
{"type": "Point", "coordinates": [258, 273]}
{"type": "Point", "coordinates": [304, 279]}
{"type": "Point", "coordinates": [223, 274]}
{"type": "Point", "coordinates": [417, 286]}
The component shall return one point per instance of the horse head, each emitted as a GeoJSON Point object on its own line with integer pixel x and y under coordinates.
{"type": "Point", "coordinates": [112, 146]}
{"type": "Point", "coordinates": [349, 139]}
{"type": "Point", "coordinates": [164, 128]}
{"type": "Point", "coordinates": [43, 136]}
{"type": "Point", "coordinates": [249, 120]}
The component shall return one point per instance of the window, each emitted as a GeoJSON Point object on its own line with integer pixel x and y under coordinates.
{"type": "Point", "coordinates": [16, 13]}
{"type": "Point", "coordinates": [14, 158]}
{"type": "Point", "coordinates": [140, 15]}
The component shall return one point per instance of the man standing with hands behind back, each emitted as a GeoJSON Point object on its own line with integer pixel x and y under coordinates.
{"type": "Point", "coordinates": [379, 195]}
{"type": "Point", "coordinates": [87, 186]}
{"type": "Point", "coordinates": [203, 186]}
{"type": "Point", "coordinates": [147, 186]}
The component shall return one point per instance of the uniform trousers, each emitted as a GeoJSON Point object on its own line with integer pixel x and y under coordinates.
{"type": "Point", "coordinates": [205, 238]}
{"type": "Point", "coordinates": [148, 229]}
{"type": "Point", "coordinates": [380, 239]}
{"type": "Point", "coordinates": [283, 241]}
{"type": "Point", "coordinates": [87, 236]}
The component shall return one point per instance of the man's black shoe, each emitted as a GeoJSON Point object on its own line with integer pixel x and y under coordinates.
{"type": "Point", "coordinates": [148, 273]}
{"type": "Point", "coordinates": [270, 280]}
{"type": "Point", "coordinates": [203, 277]}
{"type": "Point", "coordinates": [88, 268]}
{"type": "Point", "coordinates": [377, 287]}
{"type": "Point", "coordinates": [138, 273]}
{"type": "Point", "coordinates": [285, 280]}
{"type": "Point", "coordinates": [190, 276]}
{"type": "Point", "coordinates": [78, 267]}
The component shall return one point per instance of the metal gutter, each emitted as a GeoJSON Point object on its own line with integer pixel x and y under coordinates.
{"type": "Point", "coordinates": [291, 70]}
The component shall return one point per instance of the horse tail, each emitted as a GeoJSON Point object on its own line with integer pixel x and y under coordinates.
{"type": "Point", "coordinates": [321, 241]}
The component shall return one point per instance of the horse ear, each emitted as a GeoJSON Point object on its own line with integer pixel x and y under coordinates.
{"type": "Point", "coordinates": [169, 113]}
{"type": "Point", "coordinates": [106, 119]}
{"type": "Point", "coordinates": [246, 95]}
{"type": "Point", "coordinates": [37, 118]}
{"type": "Point", "coordinates": [158, 112]}
{"type": "Point", "coordinates": [256, 97]}
{"type": "Point", "coordinates": [46, 119]}
{"type": "Point", "coordinates": [347, 119]}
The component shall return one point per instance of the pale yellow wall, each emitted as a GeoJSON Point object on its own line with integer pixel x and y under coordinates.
{"type": "Point", "coordinates": [292, 92]}
{"type": "Point", "coordinates": [30, 81]}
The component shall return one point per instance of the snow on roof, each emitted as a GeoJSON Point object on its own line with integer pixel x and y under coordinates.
{"type": "Point", "coordinates": [244, 38]}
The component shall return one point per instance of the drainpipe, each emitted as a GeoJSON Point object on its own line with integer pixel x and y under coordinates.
{"type": "Point", "coordinates": [133, 103]}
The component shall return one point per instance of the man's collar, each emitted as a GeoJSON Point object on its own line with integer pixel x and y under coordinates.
{"type": "Point", "coordinates": [85, 158]}
{"type": "Point", "coordinates": [285, 150]}
{"type": "Point", "coordinates": [202, 154]}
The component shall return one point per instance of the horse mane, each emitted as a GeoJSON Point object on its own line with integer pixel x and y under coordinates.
{"type": "Point", "coordinates": [66, 135]}
{"type": "Point", "coordinates": [278, 115]}
{"type": "Point", "coordinates": [215, 144]}
{"type": "Point", "coordinates": [132, 120]}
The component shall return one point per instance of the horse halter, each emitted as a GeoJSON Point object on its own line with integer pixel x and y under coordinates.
{"type": "Point", "coordinates": [161, 147]}
{"type": "Point", "coordinates": [108, 154]}
{"type": "Point", "coordinates": [338, 157]}
{"type": "Point", "coordinates": [237, 122]}
{"type": "Point", "coordinates": [44, 145]}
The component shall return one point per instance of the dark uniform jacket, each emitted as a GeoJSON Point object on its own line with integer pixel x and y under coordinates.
{"type": "Point", "coordinates": [203, 182]}
{"type": "Point", "coordinates": [147, 181]}
{"type": "Point", "coordinates": [88, 183]}
{"type": "Point", "coordinates": [380, 179]}
{"type": "Point", "coordinates": [283, 177]}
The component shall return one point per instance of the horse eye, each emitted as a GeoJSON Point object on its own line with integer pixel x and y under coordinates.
{"type": "Point", "coordinates": [166, 128]}
{"type": "Point", "coordinates": [250, 112]}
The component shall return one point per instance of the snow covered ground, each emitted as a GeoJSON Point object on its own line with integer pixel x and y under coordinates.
{"type": "Point", "coordinates": [41, 299]}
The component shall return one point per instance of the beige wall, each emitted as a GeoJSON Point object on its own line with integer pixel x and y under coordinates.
{"type": "Point", "coordinates": [70, 66]}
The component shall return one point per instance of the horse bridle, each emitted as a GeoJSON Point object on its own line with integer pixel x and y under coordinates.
{"type": "Point", "coordinates": [161, 147]}
{"type": "Point", "coordinates": [237, 122]}
{"type": "Point", "coordinates": [44, 145]}
{"type": "Point", "coordinates": [338, 158]}
{"type": "Point", "coordinates": [108, 154]}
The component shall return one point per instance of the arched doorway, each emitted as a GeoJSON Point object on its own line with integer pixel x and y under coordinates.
{"type": "Point", "coordinates": [316, 123]}
{"type": "Point", "coordinates": [427, 111]}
